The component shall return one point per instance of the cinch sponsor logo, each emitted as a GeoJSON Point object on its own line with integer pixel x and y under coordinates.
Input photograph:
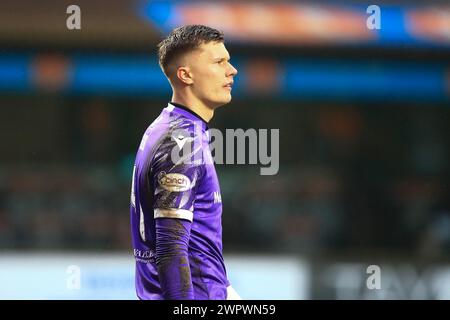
{"type": "Point", "coordinates": [143, 254]}
{"type": "Point", "coordinates": [174, 181]}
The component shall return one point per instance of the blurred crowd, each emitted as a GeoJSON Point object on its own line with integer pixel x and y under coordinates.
{"type": "Point", "coordinates": [63, 208]}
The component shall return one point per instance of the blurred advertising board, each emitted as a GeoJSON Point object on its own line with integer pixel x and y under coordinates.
{"type": "Point", "coordinates": [111, 276]}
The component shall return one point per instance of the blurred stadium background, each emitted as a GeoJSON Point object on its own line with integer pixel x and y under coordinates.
{"type": "Point", "coordinates": [364, 145]}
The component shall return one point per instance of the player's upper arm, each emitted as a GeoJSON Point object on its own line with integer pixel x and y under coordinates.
{"type": "Point", "coordinates": [175, 175]}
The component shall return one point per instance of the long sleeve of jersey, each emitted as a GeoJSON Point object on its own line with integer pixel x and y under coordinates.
{"type": "Point", "coordinates": [172, 239]}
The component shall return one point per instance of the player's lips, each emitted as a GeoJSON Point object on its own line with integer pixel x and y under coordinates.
{"type": "Point", "coordinates": [229, 85]}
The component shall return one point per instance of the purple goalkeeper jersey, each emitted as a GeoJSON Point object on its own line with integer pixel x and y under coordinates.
{"type": "Point", "coordinates": [174, 180]}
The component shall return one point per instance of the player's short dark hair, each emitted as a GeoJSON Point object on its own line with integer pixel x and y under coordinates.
{"type": "Point", "coordinates": [184, 39]}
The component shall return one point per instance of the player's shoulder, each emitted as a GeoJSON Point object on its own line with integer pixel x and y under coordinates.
{"type": "Point", "coordinates": [169, 121]}
{"type": "Point", "coordinates": [181, 141]}
{"type": "Point", "coordinates": [180, 123]}
{"type": "Point", "coordinates": [183, 128]}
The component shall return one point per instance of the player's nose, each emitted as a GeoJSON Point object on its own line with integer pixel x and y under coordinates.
{"type": "Point", "coordinates": [233, 71]}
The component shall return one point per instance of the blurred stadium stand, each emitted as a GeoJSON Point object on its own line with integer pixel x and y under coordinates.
{"type": "Point", "coordinates": [364, 137]}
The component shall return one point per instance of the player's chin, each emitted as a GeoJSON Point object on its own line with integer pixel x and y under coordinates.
{"type": "Point", "coordinates": [227, 98]}
{"type": "Point", "coordinates": [223, 100]}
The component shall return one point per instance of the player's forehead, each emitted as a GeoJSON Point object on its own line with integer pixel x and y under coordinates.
{"type": "Point", "coordinates": [213, 50]}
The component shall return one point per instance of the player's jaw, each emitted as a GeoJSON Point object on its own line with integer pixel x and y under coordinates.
{"type": "Point", "coordinates": [221, 94]}
{"type": "Point", "coordinates": [217, 94]}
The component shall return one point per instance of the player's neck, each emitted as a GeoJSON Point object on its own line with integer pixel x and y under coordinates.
{"type": "Point", "coordinates": [195, 105]}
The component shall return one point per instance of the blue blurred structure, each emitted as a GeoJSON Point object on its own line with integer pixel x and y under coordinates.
{"type": "Point", "coordinates": [292, 79]}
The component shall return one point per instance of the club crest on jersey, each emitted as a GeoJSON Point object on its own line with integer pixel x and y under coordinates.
{"type": "Point", "coordinates": [174, 182]}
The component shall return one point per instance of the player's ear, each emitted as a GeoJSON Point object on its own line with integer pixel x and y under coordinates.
{"type": "Point", "coordinates": [184, 75]}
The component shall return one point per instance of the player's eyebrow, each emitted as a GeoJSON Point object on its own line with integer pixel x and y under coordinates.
{"type": "Point", "coordinates": [222, 59]}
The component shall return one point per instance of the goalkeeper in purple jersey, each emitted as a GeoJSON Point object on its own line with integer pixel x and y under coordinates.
{"type": "Point", "coordinates": [176, 206]}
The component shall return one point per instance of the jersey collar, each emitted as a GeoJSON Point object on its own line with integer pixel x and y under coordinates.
{"type": "Point", "coordinates": [188, 113]}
